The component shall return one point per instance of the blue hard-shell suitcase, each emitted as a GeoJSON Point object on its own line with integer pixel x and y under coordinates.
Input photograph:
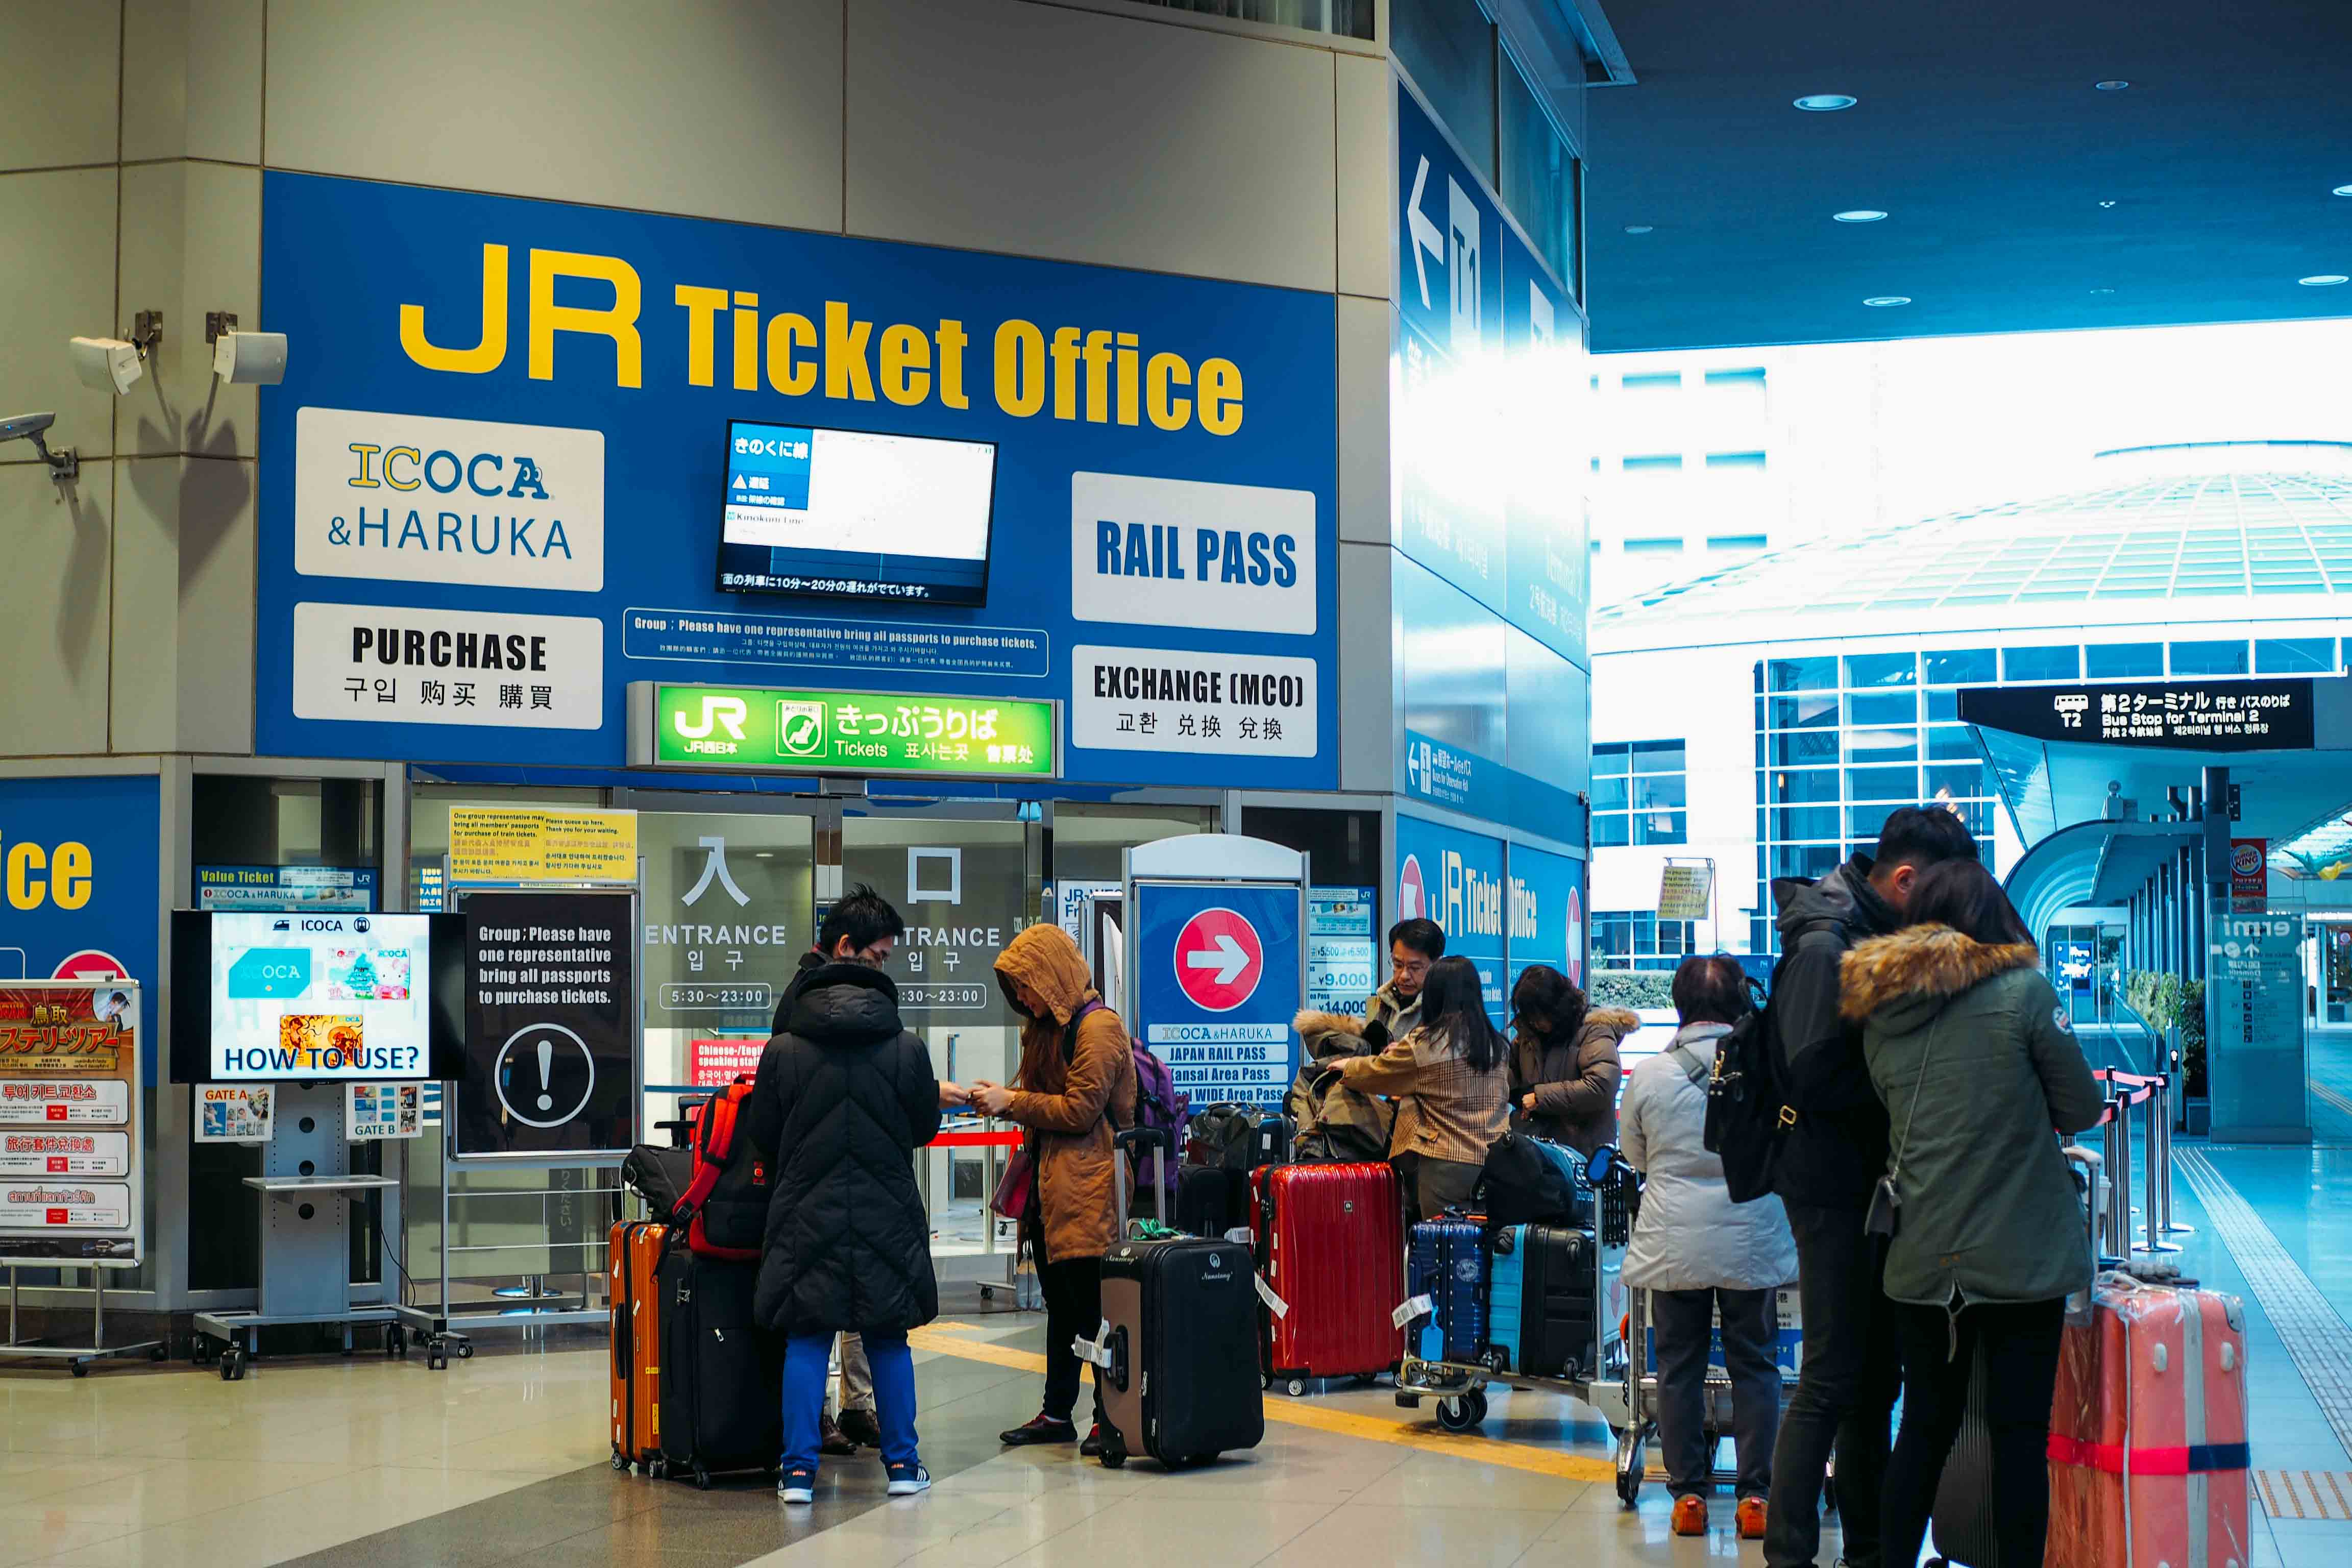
{"type": "Point", "coordinates": [1449, 1266]}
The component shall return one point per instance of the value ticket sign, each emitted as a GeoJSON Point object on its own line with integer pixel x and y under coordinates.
{"type": "Point", "coordinates": [761, 728]}
{"type": "Point", "coordinates": [71, 1174]}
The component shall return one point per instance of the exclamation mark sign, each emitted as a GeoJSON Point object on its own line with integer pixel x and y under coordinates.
{"type": "Point", "coordinates": [546, 1066]}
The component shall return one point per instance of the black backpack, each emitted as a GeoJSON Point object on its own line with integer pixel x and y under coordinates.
{"type": "Point", "coordinates": [1747, 1113]}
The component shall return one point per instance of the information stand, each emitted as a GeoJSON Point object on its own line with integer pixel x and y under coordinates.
{"type": "Point", "coordinates": [1216, 962]}
{"type": "Point", "coordinates": [305, 1189]}
{"type": "Point", "coordinates": [553, 1081]}
{"type": "Point", "coordinates": [72, 1166]}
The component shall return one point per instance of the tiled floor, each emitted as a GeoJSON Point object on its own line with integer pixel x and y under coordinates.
{"type": "Point", "coordinates": [501, 1460]}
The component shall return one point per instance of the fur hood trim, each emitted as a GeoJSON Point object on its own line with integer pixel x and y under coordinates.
{"type": "Point", "coordinates": [1923, 962]}
{"type": "Point", "coordinates": [1312, 1022]}
{"type": "Point", "coordinates": [1618, 1021]}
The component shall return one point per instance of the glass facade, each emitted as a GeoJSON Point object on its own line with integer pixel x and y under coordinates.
{"type": "Point", "coordinates": [1841, 741]}
{"type": "Point", "coordinates": [1640, 794]}
{"type": "Point", "coordinates": [1638, 939]}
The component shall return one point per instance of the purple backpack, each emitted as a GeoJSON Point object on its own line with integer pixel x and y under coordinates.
{"type": "Point", "coordinates": [1159, 1104]}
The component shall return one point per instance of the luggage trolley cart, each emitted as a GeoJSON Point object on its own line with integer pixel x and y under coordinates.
{"type": "Point", "coordinates": [1630, 1404]}
{"type": "Point", "coordinates": [1460, 1387]}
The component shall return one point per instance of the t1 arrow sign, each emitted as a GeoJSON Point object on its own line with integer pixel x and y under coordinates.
{"type": "Point", "coordinates": [1228, 959]}
{"type": "Point", "coordinates": [1426, 234]}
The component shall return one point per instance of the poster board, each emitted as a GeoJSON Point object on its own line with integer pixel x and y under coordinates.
{"type": "Point", "coordinates": [72, 1161]}
{"type": "Point", "coordinates": [235, 1112]}
{"type": "Point", "coordinates": [529, 844]}
{"type": "Point", "coordinates": [551, 1009]}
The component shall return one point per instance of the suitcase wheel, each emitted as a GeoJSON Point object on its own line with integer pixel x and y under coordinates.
{"type": "Point", "coordinates": [1462, 1412]}
{"type": "Point", "coordinates": [1114, 1450]}
{"type": "Point", "coordinates": [1295, 1389]}
{"type": "Point", "coordinates": [701, 1478]}
{"type": "Point", "coordinates": [620, 1460]}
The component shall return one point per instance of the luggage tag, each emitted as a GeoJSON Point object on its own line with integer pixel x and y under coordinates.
{"type": "Point", "coordinates": [1274, 1303]}
{"type": "Point", "coordinates": [1096, 1350]}
{"type": "Point", "coordinates": [1412, 1308]}
{"type": "Point", "coordinates": [1242, 1235]}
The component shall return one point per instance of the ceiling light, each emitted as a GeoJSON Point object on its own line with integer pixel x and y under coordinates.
{"type": "Point", "coordinates": [2111, 86]}
{"type": "Point", "coordinates": [2323, 280]}
{"type": "Point", "coordinates": [2344, 190]}
{"type": "Point", "coordinates": [1859, 215]}
{"type": "Point", "coordinates": [1638, 228]}
{"type": "Point", "coordinates": [2101, 290]}
{"type": "Point", "coordinates": [2106, 203]}
{"type": "Point", "coordinates": [1823, 102]}
{"type": "Point", "coordinates": [1880, 302]}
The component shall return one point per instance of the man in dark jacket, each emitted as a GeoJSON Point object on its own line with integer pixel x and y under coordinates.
{"type": "Point", "coordinates": [1830, 1157]}
{"type": "Point", "coordinates": [863, 928]}
{"type": "Point", "coordinates": [845, 1096]}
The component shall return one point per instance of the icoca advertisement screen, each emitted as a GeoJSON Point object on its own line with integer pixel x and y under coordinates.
{"type": "Point", "coordinates": [856, 514]}
{"type": "Point", "coordinates": [321, 996]}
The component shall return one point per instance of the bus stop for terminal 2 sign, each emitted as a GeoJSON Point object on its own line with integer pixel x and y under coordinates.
{"type": "Point", "coordinates": [1216, 963]}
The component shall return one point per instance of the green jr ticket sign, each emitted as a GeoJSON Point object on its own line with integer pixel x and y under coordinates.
{"type": "Point", "coordinates": [753, 727]}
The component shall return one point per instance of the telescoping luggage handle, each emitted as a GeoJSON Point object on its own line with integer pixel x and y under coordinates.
{"type": "Point", "coordinates": [1154, 1139]}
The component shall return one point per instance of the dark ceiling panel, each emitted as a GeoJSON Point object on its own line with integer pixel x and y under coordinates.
{"type": "Point", "coordinates": [1981, 132]}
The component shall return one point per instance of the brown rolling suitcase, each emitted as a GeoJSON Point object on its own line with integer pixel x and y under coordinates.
{"type": "Point", "coordinates": [636, 1250]}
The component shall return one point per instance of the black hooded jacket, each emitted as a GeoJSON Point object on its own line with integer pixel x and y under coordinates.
{"type": "Point", "coordinates": [844, 1097]}
{"type": "Point", "coordinates": [1837, 1148]}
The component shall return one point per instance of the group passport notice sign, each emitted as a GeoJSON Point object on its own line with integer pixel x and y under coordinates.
{"type": "Point", "coordinates": [756, 728]}
{"type": "Point", "coordinates": [72, 1177]}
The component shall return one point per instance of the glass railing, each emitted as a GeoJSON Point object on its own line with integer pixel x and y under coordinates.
{"type": "Point", "coordinates": [2129, 1041]}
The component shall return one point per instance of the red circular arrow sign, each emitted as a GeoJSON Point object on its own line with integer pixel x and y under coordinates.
{"type": "Point", "coordinates": [1219, 960]}
{"type": "Point", "coordinates": [1412, 896]}
{"type": "Point", "coordinates": [91, 963]}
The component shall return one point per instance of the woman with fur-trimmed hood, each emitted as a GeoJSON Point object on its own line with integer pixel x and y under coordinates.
{"type": "Point", "coordinates": [1960, 1022]}
{"type": "Point", "coordinates": [1564, 1063]}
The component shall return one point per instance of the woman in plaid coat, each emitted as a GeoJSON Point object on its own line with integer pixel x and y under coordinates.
{"type": "Point", "coordinates": [1452, 1090]}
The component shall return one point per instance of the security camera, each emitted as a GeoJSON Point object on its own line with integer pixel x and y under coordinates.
{"type": "Point", "coordinates": [108, 361]}
{"type": "Point", "coordinates": [250, 358]}
{"type": "Point", "coordinates": [63, 464]}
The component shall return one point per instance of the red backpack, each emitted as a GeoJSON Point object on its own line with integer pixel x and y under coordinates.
{"type": "Point", "coordinates": [724, 1209]}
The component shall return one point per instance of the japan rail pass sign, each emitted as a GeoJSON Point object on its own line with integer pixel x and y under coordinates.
{"type": "Point", "coordinates": [753, 728]}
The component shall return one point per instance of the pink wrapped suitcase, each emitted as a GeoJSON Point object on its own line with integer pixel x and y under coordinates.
{"type": "Point", "coordinates": [2147, 1431]}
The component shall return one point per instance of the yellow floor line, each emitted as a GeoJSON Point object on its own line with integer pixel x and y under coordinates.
{"type": "Point", "coordinates": [1422, 1436]}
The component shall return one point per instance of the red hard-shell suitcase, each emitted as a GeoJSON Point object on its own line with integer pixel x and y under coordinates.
{"type": "Point", "coordinates": [2147, 1433]}
{"type": "Point", "coordinates": [1331, 1242]}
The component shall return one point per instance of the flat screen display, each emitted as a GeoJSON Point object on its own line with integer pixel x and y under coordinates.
{"type": "Point", "coordinates": [855, 514]}
{"type": "Point", "coordinates": [316, 995]}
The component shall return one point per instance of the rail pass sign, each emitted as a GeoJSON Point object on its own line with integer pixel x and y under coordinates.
{"type": "Point", "coordinates": [748, 727]}
{"type": "Point", "coordinates": [71, 1173]}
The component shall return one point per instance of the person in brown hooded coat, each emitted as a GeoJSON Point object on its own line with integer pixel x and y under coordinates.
{"type": "Point", "coordinates": [1564, 1064]}
{"type": "Point", "coordinates": [1076, 1086]}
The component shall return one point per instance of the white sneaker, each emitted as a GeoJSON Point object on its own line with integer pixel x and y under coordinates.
{"type": "Point", "coordinates": [908, 1482]}
{"type": "Point", "coordinates": [796, 1486]}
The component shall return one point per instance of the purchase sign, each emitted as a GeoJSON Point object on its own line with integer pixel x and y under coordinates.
{"type": "Point", "coordinates": [739, 728]}
{"type": "Point", "coordinates": [550, 1026]}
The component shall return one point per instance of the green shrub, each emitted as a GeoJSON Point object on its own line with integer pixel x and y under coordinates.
{"type": "Point", "coordinates": [1635, 988]}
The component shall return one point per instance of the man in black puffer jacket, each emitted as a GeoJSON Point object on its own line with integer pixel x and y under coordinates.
{"type": "Point", "coordinates": [1831, 1156]}
{"type": "Point", "coordinates": [845, 1096]}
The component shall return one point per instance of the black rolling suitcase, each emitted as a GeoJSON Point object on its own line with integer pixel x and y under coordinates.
{"type": "Point", "coordinates": [1177, 1367]}
{"type": "Point", "coordinates": [723, 1377]}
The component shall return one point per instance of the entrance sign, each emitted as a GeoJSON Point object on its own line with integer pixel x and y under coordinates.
{"type": "Point", "coordinates": [1216, 959]}
{"type": "Point", "coordinates": [2191, 715]}
{"type": "Point", "coordinates": [72, 1163]}
{"type": "Point", "coordinates": [760, 729]}
{"type": "Point", "coordinates": [511, 844]}
{"type": "Point", "coordinates": [550, 1026]}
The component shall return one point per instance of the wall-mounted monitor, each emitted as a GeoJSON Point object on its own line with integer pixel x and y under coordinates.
{"type": "Point", "coordinates": [856, 514]}
{"type": "Point", "coordinates": [310, 995]}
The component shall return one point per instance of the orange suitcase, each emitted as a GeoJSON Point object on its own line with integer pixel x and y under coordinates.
{"type": "Point", "coordinates": [634, 1249]}
{"type": "Point", "coordinates": [2147, 1432]}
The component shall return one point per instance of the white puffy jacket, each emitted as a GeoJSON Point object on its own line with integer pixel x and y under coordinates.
{"type": "Point", "coordinates": [1690, 1234]}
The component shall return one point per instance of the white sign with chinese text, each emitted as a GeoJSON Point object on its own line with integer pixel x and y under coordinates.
{"type": "Point", "coordinates": [1172, 700]}
{"type": "Point", "coordinates": [387, 664]}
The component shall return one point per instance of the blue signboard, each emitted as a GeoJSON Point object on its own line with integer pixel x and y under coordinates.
{"type": "Point", "coordinates": [1457, 879]}
{"type": "Point", "coordinates": [79, 881]}
{"type": "Point", "coordinates": [1544, 913]}
{"type": "Point", "coordinates": [1484, 428]}
{"type": "Point", "coordinates": [493, 482]}
{"type": "Point", "coordinates": [1219, 972]}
